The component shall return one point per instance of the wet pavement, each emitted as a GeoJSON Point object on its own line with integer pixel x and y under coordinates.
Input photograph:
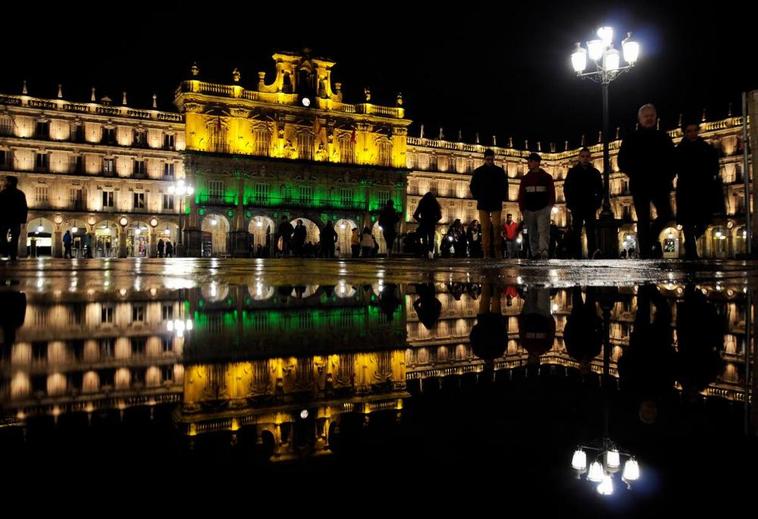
{"type": "Point", "coordinates": [463, 374]}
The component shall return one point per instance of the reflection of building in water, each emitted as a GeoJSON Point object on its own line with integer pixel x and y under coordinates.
{"type": "Point", "coordinates": [293, 402]}
{"type": "Point", "coordinates": [444, 350]}
{"type": "Point", "coordinates": [90, 352]}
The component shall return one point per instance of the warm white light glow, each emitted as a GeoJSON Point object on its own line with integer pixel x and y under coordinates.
{"type": "Point", "coordinates": [612, 459]}
{"type": "Point", "coordinates": [595, 49]}
{"type": "Point", "coordinates": [596, 472]}
{"type": "Point", "coordinates": [631, 51]}
{"type": "Point", "coordinates": [304, 414]}
{"type": "Point", "coordinates": [75, 230]}
{"type": "Point", "coordinates": [631, 470]}
{"type": "Point", "coordinates": [606, 35]}
{"type": "Point", "coordinates": [611, 60]}
{"type": "Point", "coordinates": [306, 102]}
{"type": "Point", "coordinates": [579, 460]}
{"type": "Point", "coordinates": [579, 59]}
{"type": "Point", "coordinates": [605, 488]}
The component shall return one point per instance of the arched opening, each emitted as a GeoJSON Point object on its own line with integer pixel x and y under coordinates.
{"type": "Point", "coordinates": [106, 239]}
{"type": "Point", "coordinates": [76, 239]}
{"type": "Point", "coordinates": [215, 231]}
{"type": "Point", "coordinates": [138, 240]}
{"type": "Point", "coordinates": [670, 241]}
{"type": "Point", "coordinates": [376, 232]}
{"type": "Point", "coordinates": [739, 239]}
{"type": "Point", "coordinates": [263, 230]}
{"type": "Point", "coordinates": [39, 237]}
{"type": "Point", "coordinates": [719, 241]}
{"type": "Point", "coordinates": [165, 234]}
{"type": "Point", "coordinates": [309, 245]}
{"type": "Point", "coordinates": [628, 246]}
{"type": "Point", "coordinates": [344, 228]}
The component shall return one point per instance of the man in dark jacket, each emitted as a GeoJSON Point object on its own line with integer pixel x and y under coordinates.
{"type": "Point", "coordinates": [298, 239]}
{"type": "Point", "coordinates": [583, 191]}
{"type": "Point", "coordinates": [13, 213]}
{"type": "Point", "coordinates": [285, 233]}
{"type": "Point", "coordinates": [536, 198]}
{"type": "Point", "coordinates": [647, 158]}
{"type": "Point", "coordinates": [489, 187]}
{"type": "Point", "coordinates": [697, 186]}
{"type": "Point", "coordinates": [388, 219]}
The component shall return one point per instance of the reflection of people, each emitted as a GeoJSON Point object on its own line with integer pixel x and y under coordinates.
{"type": "Point", "coordinates": [583, 334]}
{"type": "Point", "coordinates": [536, 325]}
{"type": "Point", "coordinates": [12, 316]}
{"type": "Point", "coordinates": [489, 336]}
{"type": "Point", "coordinates": [700, 336]}
{"type": "Point", "coordinates": [427, 306]}
{"type": "Point", "coordinates": [389, 300]}
{"type": "Point", "coordinates": [646, 368]}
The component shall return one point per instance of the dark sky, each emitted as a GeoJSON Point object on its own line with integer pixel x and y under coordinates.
{"type": "Point", "coordinates": [507, 73]}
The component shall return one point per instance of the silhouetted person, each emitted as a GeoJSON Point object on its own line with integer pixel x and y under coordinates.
{"type": "Point", "coordinates": [328, 239]}
{"type": "Point", "coordinates": [646, 156]}
{"type": "Point", "coordinates": [13, 214]}
{"type": "Point", "coordinates": [427, 306]}
{"type": "Point", "coordinates": [647, 366]}
{"type": "Point", "coordinates": [583, 191]}
{"type": "Point", "coordinates": [169, 249]}
{"type": "Point", "coordinates": [427, 214]}
{"type": "Point", "coordinates": [67, 240]}
{"type": "Point", "coordinates": [388, 220]}
{"type": "Point", "coordinates": [298, 238]}
{"type": "Point", "coordinates": [355, 243]}
{"type": "Point", "coordinates": [284, 232]}
{"type": "Point", "coordinates": [583, 333]}
{"type": "Point", "coordinates": [489, 187]}
{"type": "Point", "coordinates": [536, 198]}
{"type": "Point", "coordinates": [474, 238]}
{"type": "Point", "coordinates": [12, 315]}
{"type": "Point", "coordinates": [536, 325]}
{"type": "Point", "coordinates": [489, 336]}
{"type": "Point", "coordinates": [389, 300]}
{"type": "Point", "coordinates": [161, 248]}
{"type": "Point", "coordinates": [698, 189]}
{"type": "Point", "coordinates": [700, 340]}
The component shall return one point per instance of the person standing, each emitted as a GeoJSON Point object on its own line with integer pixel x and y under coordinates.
{"type": "Point", "coordinates": [536, 199]}
{"type": "Point", "coordinates": [511, 232]}
{"type": "Point", "coordinates": [646, 156]}
{"type": "Point", "coordinates": [13, 214]}
{"type": "Point", "coordinates": [583, 190]}
{"type": "Point", "coordinates": [355, 243]}
{"type": "Point", "coordinates": [67, 239]}
{"type": "Point", "coordinates": [427, 214]}
{"type": "Point", "coordinates": [697, 186]}
{"type": "Point", "coordinates": [388, 220]}
{"type": "Point", "coordinates": [328, 239]}
{"type": "Point", "coordinates": [285, 233]}
{"type": "Point", "coordinates": [161, 247]}
{"type": "Point", "coordinates": [489, 187]}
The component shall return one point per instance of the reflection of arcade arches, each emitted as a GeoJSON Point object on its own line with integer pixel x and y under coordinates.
{"type": "Point", "coordinates": [40, 236]}
{"type": "Point", "coordinates": [213, 291]}
{"type": "Point", "coordinates": [303, 291]}
{"type": "Point", "coordinates": [260, 291]}
{"type": "Point", "coordinates": [215, 229]}
{"type": "Point", "coordinates": [670, 241]}
{"type": "Point", "coordinates": [259, 227]}
{"type": "Point", "coordinates": [344, 230]}
{"type": "Point", "coordinates": [344, 289]}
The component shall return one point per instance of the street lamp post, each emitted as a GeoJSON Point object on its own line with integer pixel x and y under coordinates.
{"type": "Point", "coordinates": [606, 61]}
{"type": "Point", "coordinates": [182, 190]}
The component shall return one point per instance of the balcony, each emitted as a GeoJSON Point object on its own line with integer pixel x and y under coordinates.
{"type": "Point", "coordinates": [325, 203]}
{"type": "Point", "coordinates": [216, 199]}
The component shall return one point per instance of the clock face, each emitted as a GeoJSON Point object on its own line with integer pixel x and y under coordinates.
{"type": "Point", "coordinates": [306, 102]}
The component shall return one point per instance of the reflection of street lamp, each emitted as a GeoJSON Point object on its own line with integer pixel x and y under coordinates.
{"type": "Point", "coordinates": [179, 326]}
{"type": "Point", "coordinates": [181, 189]}
{"type": "Point", "coordinates": [607, 67]}
{"type": "Point", "coordinates": [607, 456]}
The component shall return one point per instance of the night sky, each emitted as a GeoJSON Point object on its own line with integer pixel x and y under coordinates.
{"type": "Point", "coordinates": [476, 70]}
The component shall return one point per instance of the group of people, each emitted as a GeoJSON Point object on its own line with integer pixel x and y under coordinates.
{"type": "Point", "coordinates": [647, 156]}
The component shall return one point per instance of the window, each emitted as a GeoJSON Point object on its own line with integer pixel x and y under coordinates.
{"type": "Point", "coordinates": [347, 149]}
{"type": "Point", "coordinates": [42, 130]}
{"type": "Point", "coordinates": [76, 197]}
{"type": "Point", "coordinates": [6, 125]}
{"type": "Point", "coordinates": [385, 153]}
{"type": "Point", "coordinates": [168, 202]}
{"type": "Point", "coordinates": [383, 197]}
{"type": "Point", "coordinates": [167, 373]}
{"type": "Point", "coordinates": [108, 199]}
{"type": "Point", "coordinates": [167, 312]}
{"type": "Point", "coordinates": [138, 346]}
{"type": "Point", "coordinates": [139, 167]}
{"type": "Point", "coordinates": [261, 192]}
{"type": "Point", "coordinates": [106, 347]}
{"type": "Point", "coordinates": [168, 142]}
{"type": "Point", "coordinates": [109, 135]}
{"type": "Point", "coordinates": [109, 166]}
{"type": "Point", "coordinates": [139, 200]}
{"type": "Point", "coordinates": [346, 197]}
{"type": "Point", "coordinates": [138, 313]}
{"type": "Point", "coordinates": [305, 145]}
{"type": "Point", "coordinates": [168, 169]}
{"type": "Point", "coordinates": [41, 194]}
{"type": "Point", "coordinates": [167, 344]}
{"type": "Point", "coordinates": [216, 189]}
{"type": "Point", "coordinates": [140, 138]}
{"type": "Point", "coordinates": [262, 139]}
{"type": "Point", "coordinates": [106, 314]}
{"type": "Point", "coordinates": [306, 194]}
{"type": "Point", "coordinates": [41, 161]}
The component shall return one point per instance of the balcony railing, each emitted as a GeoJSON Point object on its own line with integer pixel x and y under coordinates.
{"type": "Point", "coordinates": [216, 199]}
